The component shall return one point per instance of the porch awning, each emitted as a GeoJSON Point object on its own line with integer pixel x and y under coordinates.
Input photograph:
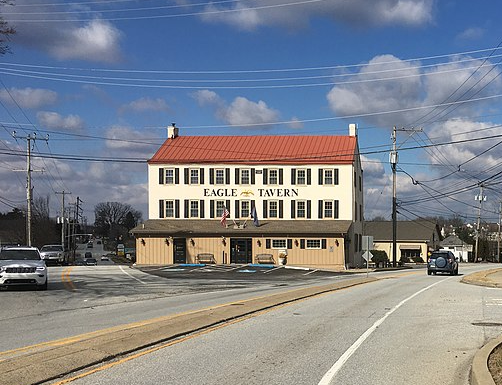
{"type": "Point", "coordinates": [410, 247]}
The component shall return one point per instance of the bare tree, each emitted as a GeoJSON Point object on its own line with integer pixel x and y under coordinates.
{"type": "Point", "coordinates": [5, 30]}
{"type": "Point", "coordinates": [110, 215]}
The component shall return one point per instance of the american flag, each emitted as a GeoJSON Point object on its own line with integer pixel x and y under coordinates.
{"type": "Point", "coordinates": [224, 216]}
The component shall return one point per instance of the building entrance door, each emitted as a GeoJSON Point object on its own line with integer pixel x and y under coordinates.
{"type": "Point", "coordinates": [180, 250]}
{"type": "Point", "coordinates": [241, 250]}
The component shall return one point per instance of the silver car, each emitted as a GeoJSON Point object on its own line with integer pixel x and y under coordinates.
{"type": "Point", "coordinates": [22, 266]}
{"type": "Point", "coordinates": [53, 254]}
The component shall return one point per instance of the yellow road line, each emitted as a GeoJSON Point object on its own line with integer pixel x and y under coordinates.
{"type": "Point", "coordinates": [65, 278]}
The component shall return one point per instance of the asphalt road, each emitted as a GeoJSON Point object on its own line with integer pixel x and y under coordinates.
{"type": "Point", "coordinates": [406, 328]}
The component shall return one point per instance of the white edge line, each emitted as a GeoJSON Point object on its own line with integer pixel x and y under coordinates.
{"type": "Point", "coordinates": [331, 373]}
{"type": "Point", "coordinates": [137, 279]}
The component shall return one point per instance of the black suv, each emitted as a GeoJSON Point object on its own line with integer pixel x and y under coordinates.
{"type": "Point", "coordinates": [442, 261]}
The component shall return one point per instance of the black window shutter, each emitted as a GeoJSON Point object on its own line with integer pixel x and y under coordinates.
{"type": "Point", "coordinates": [201, 176]}
{"type": "Point", "coordinates": [265, 176]}
{"type": "Point", "coordinates": [309, 209]}
{"type": "Point", "coordinates": [161, 176]}
{"type": "Point", "coordinates": [227, 206]}
{"type": "Point", "coordinates": [161, 208]}
{"type": "Point", "coordinates": [319, 214]}
{"type": "Point", "coordinates": [177, 208]}
{"type": "Point", "coordinates": [265, 209]}
{"type": "Point", "coordinates": [293, 209]}
{"type": "Point", "coordinates": [187, 206]}
{"type": "Point", "coordinates": [253, 204]}
{"type": "Point", "coordinates": [336, 208]}
{"type": "Point", "coordinates": [323, 243]}
{"type": "Point", "coordinates": [186, 173]}
{"type": "Point", "coordinates": [177, 176]}
{"type": "Point", "coordinates": [309, 176]}
{"type": "Point", "coordinates": [320, 176]}
{"type": "Point", "coordinates": [253, 175]}
{"type": "Point", "coordinates": [302, 243]}
{"type": "Point", "coordinates": [336, 176]}
{"type": "Point", "coordinates": [227, 176]}
{"type": "Point", "coordinates": [281, 176]}
{"type": "Point", "coordinates": [281, 209]}
{"type": "Point", "coordinates": [237, 172]}
{"type": "Point", "coordinates": [237, 212]}
{"type": "Point", "coordinates": [293, 176]}
{"type": "Point", "coordinates": [267, 243]}
{"type": "Point", "coordinates": [211, 209]}
{"type": "Point", "coordinates": [211, 176]}
{"type": "Point", "coordinates": [201, 208]}
{"type": "Point", "coordinates": [290, 244]}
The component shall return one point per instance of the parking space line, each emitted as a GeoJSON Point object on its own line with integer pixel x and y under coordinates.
{"type": "Point", "coordinates": [310, 272]}
{"type": "Point", "coordinates": [275, 268]}
{"type": "Point", "coordinates": [137, 279]}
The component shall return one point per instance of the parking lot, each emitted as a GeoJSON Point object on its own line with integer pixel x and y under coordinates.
{"type": "Point", "coordinates": [251, 272]}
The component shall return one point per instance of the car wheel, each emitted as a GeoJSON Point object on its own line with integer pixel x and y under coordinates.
{"type": "Point", "coordinates": [43, 287]}
{"type": "Point", "coordinates": [456, 272]}
{"type": "Point", "coordinates": [429, 272]}
{"type": "Point", "coordinates": [434, 272]}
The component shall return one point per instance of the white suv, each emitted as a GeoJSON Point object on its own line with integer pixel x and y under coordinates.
{"type": "Point", "coordinates": [22, 265]}
{"type": "Point", "coordinates": [53, 254]}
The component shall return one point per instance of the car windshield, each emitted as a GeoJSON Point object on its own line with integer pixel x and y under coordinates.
{"type": "Point", "coordinates": [19, 255]}
{"type": "Point", "coordinates": [51, 248]}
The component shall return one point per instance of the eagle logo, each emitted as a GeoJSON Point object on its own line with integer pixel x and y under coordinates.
{"type": "Point", "coordinates": [247, 193]}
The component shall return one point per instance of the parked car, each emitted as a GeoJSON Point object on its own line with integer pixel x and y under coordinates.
{"type": "Point", "coordinates": [90, 245]}
{"type": "Point", "coordinates": [91, 261]}
{"type": "Point", "coordinates": [21, 266]}
{"type": "Point", "coordinates": [87, 254]}
{"type": "Point", "coordinates": [442, 261]}
{"type": "Point", "coordinates": [105, 258]}
{"type": "Point", "coordinates": [53, 254]}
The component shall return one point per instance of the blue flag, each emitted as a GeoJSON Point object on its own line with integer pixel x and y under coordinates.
{"type": "Point", "coordinates": [254, 215]}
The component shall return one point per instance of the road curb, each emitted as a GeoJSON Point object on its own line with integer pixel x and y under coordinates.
{"type": "Point", "coordinates": [480, 374]}
{"type": "Point", "coordinates": [47, 362]}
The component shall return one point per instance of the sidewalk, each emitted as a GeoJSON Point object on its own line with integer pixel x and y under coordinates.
{"type": "Point", "coordinates": [480, 374]}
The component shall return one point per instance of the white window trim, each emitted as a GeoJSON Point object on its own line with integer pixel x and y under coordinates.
{"type": "Point", "coordinates": [304, 176]}
{"type": "Point", "coordinates": [269, 176]}
{"type": "Point", "coordinates": [217, 213]}
{"type": "Point", "coordinates": [190, 208]}
{"type": "Point", "coordinates": [276, 210]}
{"type": "Point", "coordinates": [190, 176]}
{"type": "Point", "coordinates": [298, 208]}
{"type": "Point", "coordinates": [165, 208]}
{"type": "Point", "coordinates": [216, 177]}
{"type": "Point", "coordinates": [165, 175]}
{"type": "Point", "coordinates": [241, 171]}
{"type": "Point", "coordinates": [332, 209]}
{"type": "Point", "coordinates": [313, 248]}
{"type": "Point", "coordinates": [241, 203]}
{"type": "Point", "coordinates": [279, 247]}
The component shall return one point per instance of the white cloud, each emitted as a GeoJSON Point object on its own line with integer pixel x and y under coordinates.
{"type": "Point", "coordinates": [387, 84]}
{"type": "Point", "coordinates": [241, 111]}
{"type": "Point", "coordinates": [357, 13]}
{"type": "Point", "coordinates": [95, 41]}
{"type": "Point", "coordinates": [145, 105]}
{"type": "Point", "coordinates": [53, 120]}
{"type": "Point", "coordinates": [473, 33]}
{"type": "Point", "coordinates": [31, 98]}
{"type": "Point", "coordinates": [126, 142]}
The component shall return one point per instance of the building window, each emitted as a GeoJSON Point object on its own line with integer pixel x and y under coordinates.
{"type": "Point", "coordinates": [301, 209]}
{"type": "Point", "coordinates": [273, 209]}
{"type": "Point", "coordinates": [220, 206]}
{"type": "Point", "coordinates": [245, 209]}
{"type": "Point", "coordinates": [313, 243]}
{"type": "Point", "coordinates": [273, 176]}
{"type": "Point", "coordinates": [245, 176]}
{"type": "Point", "coordinates": [194, 209]}
{"type": "Point", "coordinates": [194, 176]}
{"type": "Point", "coordinates": [328, 176]}
{"type": "Point", "coordinates": [169, 176]}
{"type": "Point", "coordinates": [301, 176]}
{"type": "Point", "coordinates": [219, 176]}
{"type": "Point", "coordinates": [328, 209]}
{"type": "Point", "coordinates": [169, 209]}
{"type": "Point", "coordinates": [279, 244]}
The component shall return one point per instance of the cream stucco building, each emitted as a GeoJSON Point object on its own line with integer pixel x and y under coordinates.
{"type": "Point", "coordinates": [299, 195]}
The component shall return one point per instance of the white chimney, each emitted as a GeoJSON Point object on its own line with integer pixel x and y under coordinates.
{"type": "Point", "coordinates": [352, 129]}
{"type": "Point", "coordinates": [172, 131]}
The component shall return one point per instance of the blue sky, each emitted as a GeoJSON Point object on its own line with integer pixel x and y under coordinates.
{"type": "Point", "coordinates": [104, 79]}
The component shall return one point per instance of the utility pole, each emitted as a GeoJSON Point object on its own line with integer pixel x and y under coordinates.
{"type": "Point", "coordinates": [481, 199]}
{"type": "Point", "coordinates": [29, 191]}
{"type": "Point", "coordinates": [63, 219]}
{"type": "Point", "coordinates": [498, 236]}
{"type": "Point", "coordinates": [393, 161]}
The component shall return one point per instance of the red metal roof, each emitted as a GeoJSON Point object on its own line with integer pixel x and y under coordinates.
{"type": "Point", "coordinates": [257, 149]}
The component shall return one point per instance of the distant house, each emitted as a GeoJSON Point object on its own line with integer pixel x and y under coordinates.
{"type": "Point", "coordinates": [413, 238]}
{"type": "Point", "coordinates": [458, 247]}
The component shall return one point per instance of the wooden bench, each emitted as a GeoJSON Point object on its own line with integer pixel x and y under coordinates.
{"type": "Point", "coordinates": [264, 258]}
{"type": "Point", "coordinates": [206, 258]}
